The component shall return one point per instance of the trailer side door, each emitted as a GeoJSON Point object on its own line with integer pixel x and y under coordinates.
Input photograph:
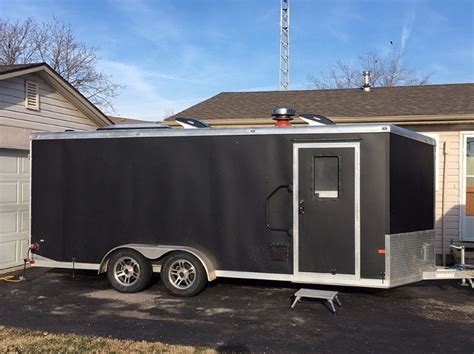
{"type": "Point", "coordinates": [326, 210]}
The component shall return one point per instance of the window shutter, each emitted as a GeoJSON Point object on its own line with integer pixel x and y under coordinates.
{"type": "Point", "coordinates": [32, 95]}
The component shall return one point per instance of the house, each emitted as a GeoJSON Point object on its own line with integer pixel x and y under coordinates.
{"type": "Point", "coordinates": [444, 112]}
{"type": "Point", "coordinates": [123, 120]}
{"type": "Point", "coordinates": [33, 97]}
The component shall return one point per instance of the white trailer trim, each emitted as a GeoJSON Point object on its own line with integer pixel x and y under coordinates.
{"type": "Point", "coordinates": [323, 278]}
{"type": "Point", "coordinates": [40, 261]}
{"type": "Point", "coordinates": [324, 129]}
{"type": "Point", "coordinates": [304, 279]}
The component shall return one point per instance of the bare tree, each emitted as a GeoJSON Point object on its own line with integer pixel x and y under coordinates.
{"type": "Point", "coordinates": [389, 70]}
{"type": "Point", "coordinates": [17, 42]}
{"type": "Point", "coordinates": [54, 43]}
{"type": "Point", "coordinates": [168, 113]}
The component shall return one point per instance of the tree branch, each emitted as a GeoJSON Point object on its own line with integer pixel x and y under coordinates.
{"type": "Point", "coordinates": [54, 42]}
{"type": "Point", "coordinates": [389, 70]}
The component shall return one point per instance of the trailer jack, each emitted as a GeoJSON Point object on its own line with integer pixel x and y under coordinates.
{"type": "Point", "coordinates": [462, 266]}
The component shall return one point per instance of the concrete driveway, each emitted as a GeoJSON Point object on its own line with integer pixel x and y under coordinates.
{"type": "Point", "coordinates": [246, 316]}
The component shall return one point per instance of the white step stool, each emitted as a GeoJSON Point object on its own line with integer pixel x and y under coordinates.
{"type": "Point", "coordinates": [329, 296]}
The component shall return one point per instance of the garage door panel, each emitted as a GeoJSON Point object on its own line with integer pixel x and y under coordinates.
{"type": "Point", "coordinates": [13, 252]}
{"type": "Point", "coordinates": [14, 207]}
{"type": "Point", "coordinates": [8, 192]}
{"type": "Point", "coordinates": [8, 222]}
{"type": "Point", "coordinates": [8, 253]}
{"type": "Point", "coordinates": [25, 166]}
{"type": "Point", "coordinates": [13, 237]}
{"type": "Point", "coordinates": [24, 244]}
{"type": "Point", "coordinates": [25, 221]}
{"type": "Point", "coordinates": [25, 192]}
{"type": "Point", "coordinates": [8, 163]}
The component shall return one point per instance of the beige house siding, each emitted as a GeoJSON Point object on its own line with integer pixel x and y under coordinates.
{"type": "Point", "coordinates": [452, 187]}
{"type": "Point", "coordinates": [17, 122]}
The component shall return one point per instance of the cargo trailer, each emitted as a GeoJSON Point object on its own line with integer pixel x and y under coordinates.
{"type": "Point", "coordinates": [349, 205]}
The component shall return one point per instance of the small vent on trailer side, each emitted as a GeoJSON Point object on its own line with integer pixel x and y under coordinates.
{"type": "Point", "coordinates": [31, 95]}
{"type": "Point", "coordinates": [279, 252]}
{"type": "Point", "coordinates": [191, 123]}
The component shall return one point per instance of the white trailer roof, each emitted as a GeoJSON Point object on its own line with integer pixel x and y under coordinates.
{"type": "Point", "coordinates": [326, 129]}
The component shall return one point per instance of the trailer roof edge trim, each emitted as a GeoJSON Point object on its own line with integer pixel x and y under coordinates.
{"type": "Point", "coordinates": [331, 129]}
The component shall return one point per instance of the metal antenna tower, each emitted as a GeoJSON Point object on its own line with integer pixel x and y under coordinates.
{"type": "Point", "coordinates": [285, 45]}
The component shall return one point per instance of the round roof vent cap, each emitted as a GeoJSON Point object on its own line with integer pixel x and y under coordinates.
{"type": "Point", "coordinates": [283, 111]}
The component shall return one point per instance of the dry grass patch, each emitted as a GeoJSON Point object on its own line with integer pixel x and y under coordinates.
{"type": "Point", "coordinates": [20, 340]}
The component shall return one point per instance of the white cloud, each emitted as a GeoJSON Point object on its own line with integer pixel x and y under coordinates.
{"type": "Point", "coordinates": [340, 22]}
{"type": "Point", "coordinates": [407, 29]}
{"type": "Point", "coordinates": [141, 98]}
{"type": "Point", "coordinates": [151, 22]}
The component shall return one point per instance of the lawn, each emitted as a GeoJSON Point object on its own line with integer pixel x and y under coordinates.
{"type": "Point", "coordinates": [21, 340]}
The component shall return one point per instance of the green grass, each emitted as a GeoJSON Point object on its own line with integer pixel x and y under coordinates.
{"type": "Point", "coordinates": [20, 340]}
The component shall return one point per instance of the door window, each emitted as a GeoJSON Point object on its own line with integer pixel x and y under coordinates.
{"type": "Point", "coordinates": [326, 176]}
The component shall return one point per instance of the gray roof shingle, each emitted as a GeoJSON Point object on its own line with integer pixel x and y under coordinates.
{"type": "Point", "coordinates": [123, 120]}
{"type": "Point", "coordinates": [383, 101]}
{"type": "Point", "coordinates": [14, 67]}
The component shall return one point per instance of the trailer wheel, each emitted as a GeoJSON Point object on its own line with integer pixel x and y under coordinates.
{"type": "Point", "coordinates": [129, 272]}
{"type": "Point", "coordinates": [183, 274]}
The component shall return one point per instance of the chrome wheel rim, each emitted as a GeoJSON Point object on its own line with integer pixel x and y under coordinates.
{"type": "Point", "coordinates": [126, 271]}
{"type": "Point", "coordinates": [182, 274]}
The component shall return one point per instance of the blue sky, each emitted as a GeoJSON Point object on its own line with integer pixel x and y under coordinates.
{"type": "Point", "coordinates": [173, 54]}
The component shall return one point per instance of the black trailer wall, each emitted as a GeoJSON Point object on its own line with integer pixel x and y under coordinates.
{"type": "Point", "coordinates": [208, 192]}
{"type": "Point", "coordinates": [412, 177]}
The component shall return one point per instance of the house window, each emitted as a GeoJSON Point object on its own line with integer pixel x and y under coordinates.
{"type": "Point", "coordinates": [470, 176]}
{"type": "Point", "coordinates": [326, 176]}
{"type": "Point", "coordinates": [32, 95]}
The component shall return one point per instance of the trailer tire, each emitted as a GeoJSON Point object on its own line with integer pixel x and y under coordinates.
{"type": "Point", "coordinates": [183, 274]}
{"type": "Point", "coordinates": [128, 271]}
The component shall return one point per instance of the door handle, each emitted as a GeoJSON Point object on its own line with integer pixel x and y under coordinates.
{"type": "Point", "coordinates": [301, 207]}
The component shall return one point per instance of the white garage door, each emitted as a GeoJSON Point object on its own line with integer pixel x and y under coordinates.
{"type": "Point", "coordinates": [14, 206]}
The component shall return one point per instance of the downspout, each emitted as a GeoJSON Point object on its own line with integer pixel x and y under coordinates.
{"type": "Point", "coordinates": [443, 204]}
